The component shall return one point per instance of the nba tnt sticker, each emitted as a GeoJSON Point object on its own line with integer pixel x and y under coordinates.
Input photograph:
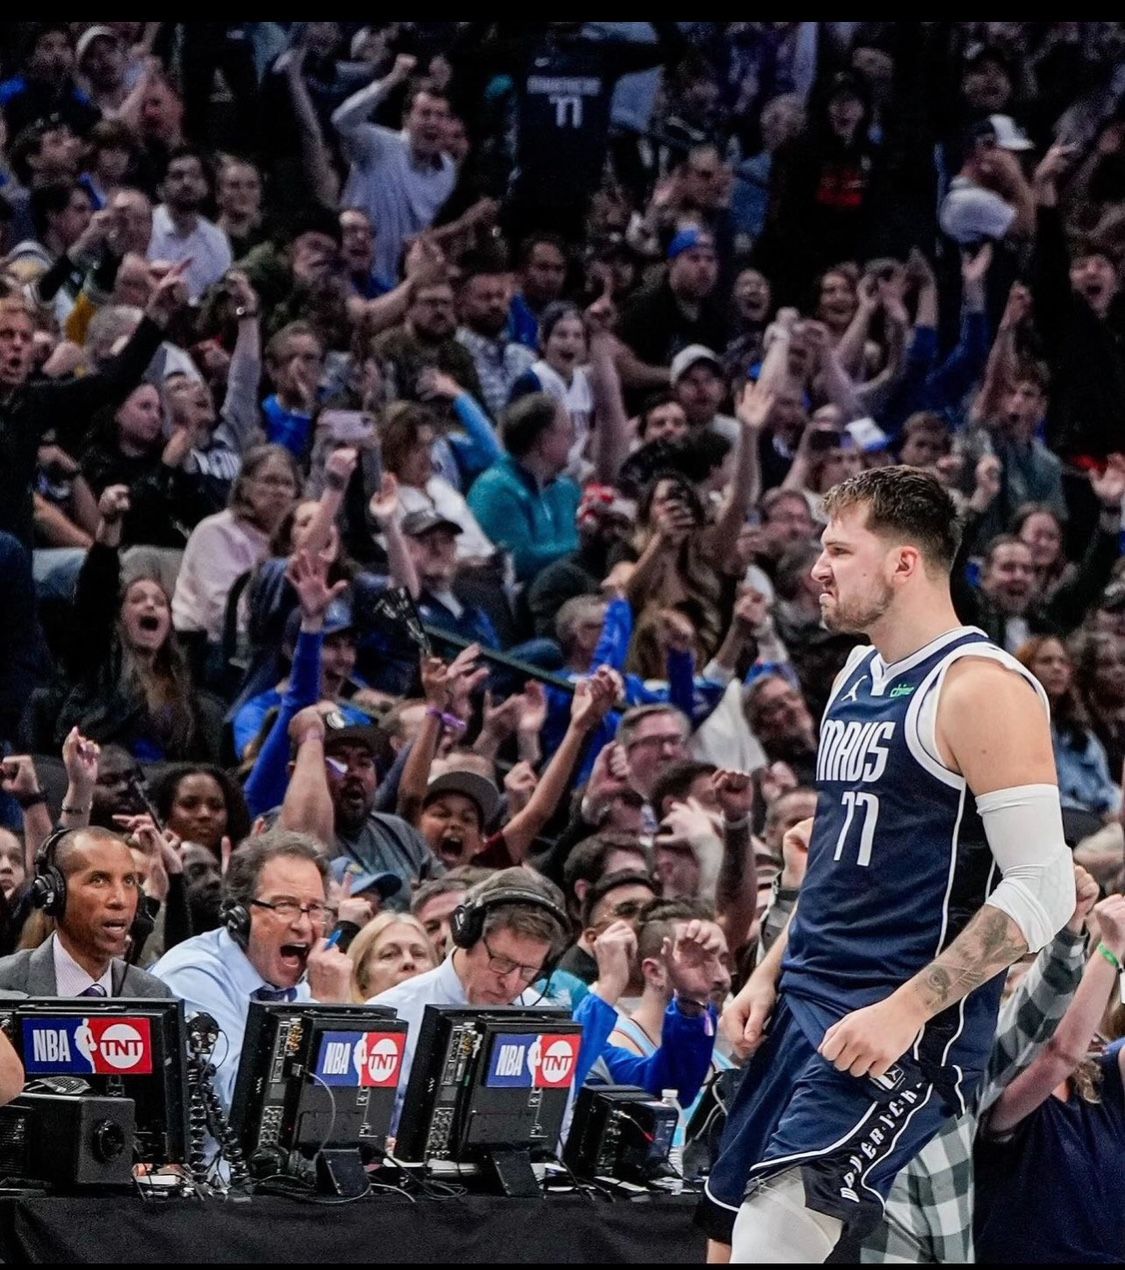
{"type": "Point", "coordinates": [83, 1047]}
{"type": "Point", "coordinates": [532, 1062]}
{"type": "Point", "coordinates": [371, 1060]}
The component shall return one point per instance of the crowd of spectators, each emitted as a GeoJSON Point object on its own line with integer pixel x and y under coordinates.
{"type": "Point", "coordinates": [413, 439]}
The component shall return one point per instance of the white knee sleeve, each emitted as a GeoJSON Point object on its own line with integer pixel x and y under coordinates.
{"type": "Point", "coordinates": [774, 1227]}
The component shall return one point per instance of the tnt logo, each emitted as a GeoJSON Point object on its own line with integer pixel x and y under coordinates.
{"type": "Point", "coordinates": [532, 1062]}
{"type": "Point", "coordinates": [371, 1060]}
{"type": "Point", "coordinates": [99, 1046]}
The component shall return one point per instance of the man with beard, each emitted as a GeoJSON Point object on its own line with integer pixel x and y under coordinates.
{"type": "Point", "coordinates": [180, 233]}
{"type": "Point", "coordinates": [617, 897]}
{"type": "Point", "coordinates": [425, 340]}
{"type": "Point", "coordinates": [345, 782]}
{"type": "Point", "coordinates": [483, 301]}
{"type": "Point", "coordinates": [934, 770]}
{"type": "Point", "coordinates": [204, 882]}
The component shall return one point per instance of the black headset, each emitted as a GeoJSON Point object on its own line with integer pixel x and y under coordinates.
{"type": "Point", "coordinates": [466, 924]}
{"type": "Point", "coordinates": [48, 888]}
{"type": "Point", "coordinates": [235, 917]}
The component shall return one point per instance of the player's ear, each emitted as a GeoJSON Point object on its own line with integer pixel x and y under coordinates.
{"type": "Point", "coordinates": [908, 562]}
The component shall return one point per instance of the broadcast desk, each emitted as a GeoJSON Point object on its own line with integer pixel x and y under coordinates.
{"type": "Point", "coordinates": [386, 1228]}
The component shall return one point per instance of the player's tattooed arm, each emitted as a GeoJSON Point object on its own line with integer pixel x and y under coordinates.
{"type": "Point", "coordinates": [990, 943]}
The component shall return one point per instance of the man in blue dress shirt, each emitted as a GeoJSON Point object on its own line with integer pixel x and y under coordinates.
{"type": "Point", "coordinates": [271, 947]}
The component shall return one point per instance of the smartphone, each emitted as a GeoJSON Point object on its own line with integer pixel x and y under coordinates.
{"type": "Point", "coordinates": [824, 439]}
{"type": "Point", "coordinates": [348, 427]}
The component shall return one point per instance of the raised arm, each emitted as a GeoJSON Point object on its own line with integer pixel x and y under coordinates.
{"type": "Point", "coordinates": [308, 803]}
{"type": "Point", "coordinates": [68, 404]}
{"type": "Point", "coordinates": [611, 430]}
{"type": "Point", "coordinates": [443, 687]}
{"type": "Point", "coordinates": [239, 419]}
{"type": "Point", "coordinates": [1031, 1015]}
{"type": "Point", "coordinates": [19, 780]}
{"type": "Point", "coordinates": [999, 370]}
{"type": "Point", "coordinates": [359, 138]}
{"type": "Point", "coordinates": [1071, 1042]}
{"type": "Point", "coordinates": [754, 409]}
{"type": "Point", "coordinates": [338, 469]}
{"type": "Point", "coordinates": [736, 896]}
{"type": "Point", "coordinates": [593, 699]}
{"type": "Point", "coordinates": [854, 340]}
{"type": "Point", "coordinates": [384, 511]}
{"type": "Point", "coordinates": [314, 153]}
{"type": "Point", "coordinates": [1005, 756]}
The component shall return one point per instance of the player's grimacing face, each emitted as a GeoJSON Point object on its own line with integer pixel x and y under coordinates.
{"type": "Point", "coordinates": [853, 573]}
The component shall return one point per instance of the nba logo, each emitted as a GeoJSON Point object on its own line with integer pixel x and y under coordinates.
{"type": "Point", "coordinates": [369, 1060]}
{"type": "Point", "coordinates": [90, 1046]}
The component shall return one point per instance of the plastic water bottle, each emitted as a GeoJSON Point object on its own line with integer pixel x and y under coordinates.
{"type": "Point", "coordinates": [670, 1098]}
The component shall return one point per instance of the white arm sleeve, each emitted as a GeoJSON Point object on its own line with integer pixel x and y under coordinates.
{"type": "Point", "coordinates": [1025, 832]}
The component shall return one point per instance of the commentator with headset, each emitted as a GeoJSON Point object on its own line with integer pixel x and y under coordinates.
{"type": "Point", "coordinates": [510, 931]}
{"type": "Point", "coordinates": [86, 880]}
{"type": "Point", "coordinates": [272, 945]}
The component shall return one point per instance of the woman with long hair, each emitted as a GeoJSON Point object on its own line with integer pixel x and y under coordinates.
{"type": "Point", "coordinates": [1100, 675]}
{"type": "Point", "coordinates": [1040, 528]}
{"type": "Point", "coordinates": [127, 679]}
{"type": "Point", "coordinates": [1080, 759]}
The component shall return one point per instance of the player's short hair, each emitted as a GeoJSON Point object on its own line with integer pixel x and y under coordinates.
{"type": "Point", "coordinates": [903, 502]}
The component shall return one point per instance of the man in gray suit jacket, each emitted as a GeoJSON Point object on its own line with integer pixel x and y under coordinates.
{"type": "Point", "coordinates": [90, 886]}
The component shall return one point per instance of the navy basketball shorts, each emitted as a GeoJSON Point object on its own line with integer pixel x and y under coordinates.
{"type": "Point", "coordinates": [848, 1135]}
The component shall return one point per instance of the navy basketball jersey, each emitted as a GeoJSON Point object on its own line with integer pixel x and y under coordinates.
{"type": "Point", "coordinates": [898, 861]}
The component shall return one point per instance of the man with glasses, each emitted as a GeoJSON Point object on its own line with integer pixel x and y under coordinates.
{"type": "Point", "coordinates": [271, 946]}
{"type": "Point", "coordinates": [522, 929]}
{"type": "Point", "coordinates": [619, 896]}
{"type": "Point", "coordinates": [652, 737]}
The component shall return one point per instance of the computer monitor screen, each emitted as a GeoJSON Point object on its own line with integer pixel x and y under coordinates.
{"type": "Point", "coordinates": [487, 1079]}
{"type": "Point", "coordinates": [131, 1048]}
{"type": "Point", "coordinates": [315, 1077]}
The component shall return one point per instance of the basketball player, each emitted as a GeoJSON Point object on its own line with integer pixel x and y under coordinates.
{"type": "Point", "coordinates": [874, 1013]}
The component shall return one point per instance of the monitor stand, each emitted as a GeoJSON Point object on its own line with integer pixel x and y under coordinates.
{"type": "Point", "coordinates": [513, 1172]}
{"type": "Point", "coordinates": [340, 1172]}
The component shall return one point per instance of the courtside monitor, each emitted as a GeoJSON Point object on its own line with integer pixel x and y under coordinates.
{"type": "Point", "coordinates": [316, 1080]}
{"type": "Point", "coordinates": [122, 1047]}
{"type": "Point", "coordinates": [489, 1086]}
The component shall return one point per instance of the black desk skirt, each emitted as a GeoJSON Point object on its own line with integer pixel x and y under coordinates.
{"type": "Point", "coordinates": [376, 1229]}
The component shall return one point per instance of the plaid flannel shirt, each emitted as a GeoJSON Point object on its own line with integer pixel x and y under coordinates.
{"type": "Point", "coordinates": [929, 1215]}
{"type": "Point", "coordinates": [499, 364]}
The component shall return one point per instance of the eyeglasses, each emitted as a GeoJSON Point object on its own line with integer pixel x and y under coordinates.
{"type": "Point", "coordinates": [319, 914]}
{"type": "Point", "coordinates": [505, 966]}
